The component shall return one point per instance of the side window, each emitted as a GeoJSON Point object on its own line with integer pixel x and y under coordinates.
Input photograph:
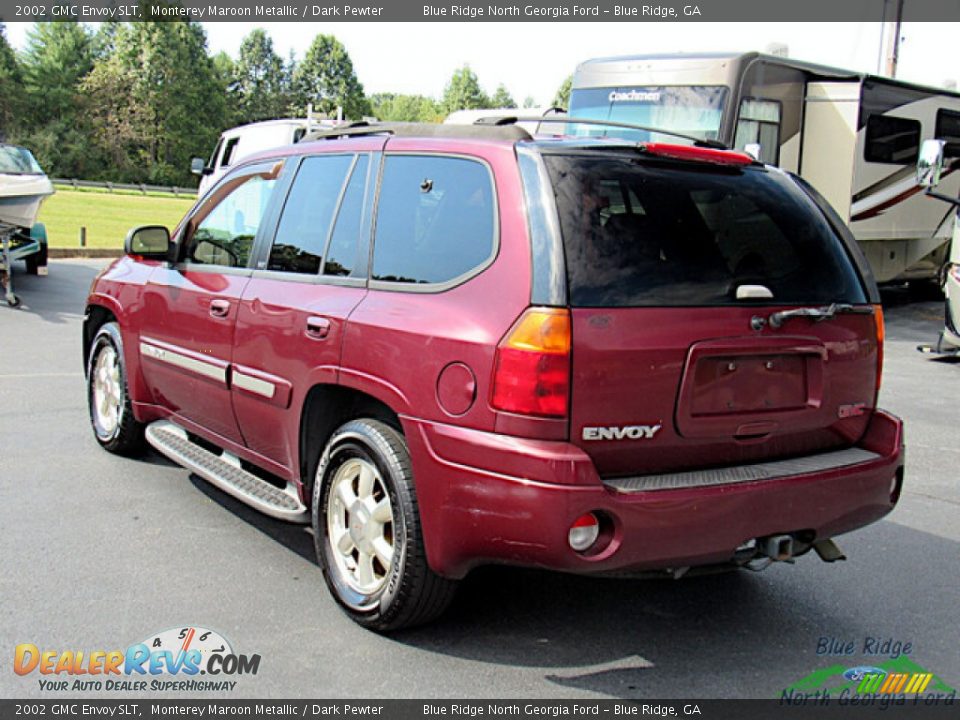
{"type": "Point", "coordinates": [435, 219]}
{"type": "Point", "coordinates": [225, 234]}
{"type": "Point", "coordinates": [344, 244]}
{"type": "Point", "coordinates": [892, 140]}
{"type": "Point", "coordinates": [948, 128]}
{"type": "Point", "coordinates": [229, 151]}
{"type": "Point", "coordinates": [216, 154]}
{"type": "Point", "coordinates": [307, 214]}
{"type": "Point", "coordinates": [759, 122]}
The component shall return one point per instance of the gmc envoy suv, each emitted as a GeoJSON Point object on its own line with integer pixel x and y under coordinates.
{"type": "Point", "coordinates": [453, 346]}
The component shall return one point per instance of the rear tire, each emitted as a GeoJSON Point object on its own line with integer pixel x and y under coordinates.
{"type": "Point", "coordinates": [108, 398]}
{"type": "Point", "coordinates": [366, 529]}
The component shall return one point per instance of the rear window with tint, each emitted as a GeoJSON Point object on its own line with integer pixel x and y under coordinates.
{"type": "Point", "coordinates": [640, 233]}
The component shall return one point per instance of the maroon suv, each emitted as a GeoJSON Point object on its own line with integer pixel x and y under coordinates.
{"type": "Point", "coordinates": [453, 346]}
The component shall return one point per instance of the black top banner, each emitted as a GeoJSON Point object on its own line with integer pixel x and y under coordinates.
{"type": "Point", "coordinates": [537, 11]}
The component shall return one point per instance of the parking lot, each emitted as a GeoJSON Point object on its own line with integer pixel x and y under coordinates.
{"type": "Point", "coordinates": [100, 552]}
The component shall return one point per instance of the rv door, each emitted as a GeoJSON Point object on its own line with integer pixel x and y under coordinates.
{"type": "Point", "coordinates": [829, 145]}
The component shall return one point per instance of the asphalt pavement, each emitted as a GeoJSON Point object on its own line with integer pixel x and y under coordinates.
{"type": "Point", "coordinates": [99, 552]}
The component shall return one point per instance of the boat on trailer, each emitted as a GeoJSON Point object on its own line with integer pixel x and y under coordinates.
{"type": "Point", "coordinates": [23, 188]}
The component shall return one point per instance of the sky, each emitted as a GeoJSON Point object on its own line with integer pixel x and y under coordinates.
{"type": "Point", "coordinates": [532, 59]}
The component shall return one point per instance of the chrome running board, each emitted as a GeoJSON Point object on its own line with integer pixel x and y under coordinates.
{"type": "Point", "coordinates": [224, 471]}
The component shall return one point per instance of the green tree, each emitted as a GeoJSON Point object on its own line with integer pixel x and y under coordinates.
{"type": "Point", "coordinates": [463, 92]}
{"type": "Point", "coordinates": [326, 78]}
{"type": "Point", "coordinates": [562, 98]}
{"type": "Point", "coordinates": [529, 102]}
{"type": "Point", "coordinates": [289, 68]}
{"type": "Point", "coordinates": [260, 79]}
{"type": "Point", "coordinates": [155, 102]}
{"type": "Point", "coordinates": [104, 39]}
{"type": "Point", "coordinates": [58, 56]}
{"type": "Point", "coordinates": [404, 108]}
{"type": "Point", "coordinates": [11, 82]}
{"type": "Point", "coordinates": [502, 98]}
{"type": "Point", "coordinates": [225, 70]}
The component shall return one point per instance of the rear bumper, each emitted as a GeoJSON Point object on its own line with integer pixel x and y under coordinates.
{"type": "Point", "coordinates": [487, 498]}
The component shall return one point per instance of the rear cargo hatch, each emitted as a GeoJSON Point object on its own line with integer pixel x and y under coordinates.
{"type": "Point", "coordinates": [716, 317]}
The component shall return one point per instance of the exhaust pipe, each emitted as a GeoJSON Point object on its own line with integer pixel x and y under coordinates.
{"type": "Point", "coordinates": [777, 547]}
{"type": "Point", "coordinates": [828, 550]}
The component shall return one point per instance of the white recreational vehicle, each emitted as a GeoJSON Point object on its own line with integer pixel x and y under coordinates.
{"type": "Point", "coordinates": [244, 140]}
{"type": "Point", "coordinates": [853, 137]}
{"type": "Point", "coordinates": [239, 142]}
{"type": "Point", "coordinates": [472, 117]}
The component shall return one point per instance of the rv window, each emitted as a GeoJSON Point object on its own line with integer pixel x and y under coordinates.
{"type": "Point", "coordinates": [760, 123]}
{"type": "Point", "coordinates": [229, 151]}
{"type": "Point", "coordinates": [216, 154]}
{"type": "Point", "coordinates": [694, 111]}
{"type": "Point", "coordinates": [307, 214]}
{"type": "Point", "coordinates": [892, 140]}
{"type": "Point", "coordinates": [948, 128]}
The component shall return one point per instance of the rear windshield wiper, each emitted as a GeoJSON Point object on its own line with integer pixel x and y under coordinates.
{"type": "Point", "coordinates": [818, 314]}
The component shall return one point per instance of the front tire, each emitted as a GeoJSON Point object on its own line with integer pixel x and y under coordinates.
{"type": "Point", "coordinates": [366, 528]}
{"type": "Point", "coordinates": [108, 398]}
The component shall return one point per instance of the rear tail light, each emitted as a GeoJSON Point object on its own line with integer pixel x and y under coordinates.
{"type": "Point", "coordinates": [532, 369]}
{"type": "Point", "coordinates": [881, 332]}
{"type": "Point", "coordinates": [584, 532]}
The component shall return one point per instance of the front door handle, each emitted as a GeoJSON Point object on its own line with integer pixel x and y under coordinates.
{"type": "Point", "coordinates": [318, 328]}
{"type": "Point", "coordinates": [219, 308]}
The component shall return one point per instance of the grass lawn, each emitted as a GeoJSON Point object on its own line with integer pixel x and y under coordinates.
{"type": "Point", "coordinates": [106, 216]}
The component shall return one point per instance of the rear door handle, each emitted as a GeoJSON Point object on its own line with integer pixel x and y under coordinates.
{"type": "Point", "coordinates": [318, 328]}
{"type": "Point", "coordinates": [219, 308]}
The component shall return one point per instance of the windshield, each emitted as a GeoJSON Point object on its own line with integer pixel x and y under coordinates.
{"type": "Point", "coordinates": [16, 160]}
{"type": "Point", "coordinates": [694, 110]}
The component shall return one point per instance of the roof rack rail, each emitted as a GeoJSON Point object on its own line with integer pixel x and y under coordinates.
{"type": "Point", "coordinates": [361, 127]}
{"type": "Point", "coordinates": [505, 120]}
{"type": "Point", "coordinates": [508, 132]}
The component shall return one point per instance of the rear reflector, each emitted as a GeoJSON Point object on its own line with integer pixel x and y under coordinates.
{"type": "Point", "coordinates": [584, 532]}
{"type": "Point", "coordinates": [532, 369]}
{"type": "Point", "coordinates": [698, 154]}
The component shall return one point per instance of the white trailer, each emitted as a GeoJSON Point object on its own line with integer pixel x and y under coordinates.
{"type": "Point", "coordinates": [853, 136]}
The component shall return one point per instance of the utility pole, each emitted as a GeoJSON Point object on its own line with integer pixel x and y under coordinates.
{"type": "Point", "coordinates": [890, 42]}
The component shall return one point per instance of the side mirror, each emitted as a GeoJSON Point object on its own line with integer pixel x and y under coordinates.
{"type": "Point", "coordinates": [148, 241]}
{"type": "Point", "coordinates": [753, 150]}
{"type": "Point", "coordinates": [198, 166]}
{"type": "Point", "coordinates": [930, 163]}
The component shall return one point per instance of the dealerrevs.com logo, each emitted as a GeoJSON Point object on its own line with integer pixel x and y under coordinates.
{"type": "Point", "coordinates": [171, 661]}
